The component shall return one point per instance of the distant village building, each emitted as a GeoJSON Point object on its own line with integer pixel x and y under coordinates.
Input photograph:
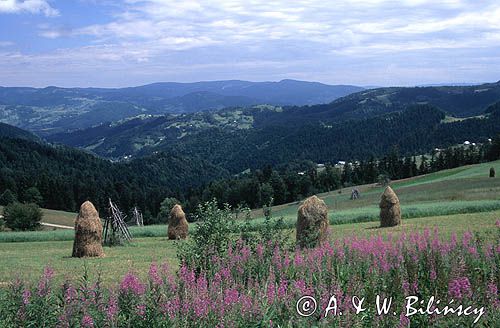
{"type": "Point", "coordinates": [301, 173]}
{"type": "Point", "coordinates": [341, 162]}
{"type": "Point", "coordinates": [467, 143]}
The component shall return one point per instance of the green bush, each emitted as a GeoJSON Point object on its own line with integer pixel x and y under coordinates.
{"type": "Point", "coordinates": [219, 229]}
{"type": "Point", "coordinates": [22, 216]}
{"type": "Point", "coordinates": [211, 236]}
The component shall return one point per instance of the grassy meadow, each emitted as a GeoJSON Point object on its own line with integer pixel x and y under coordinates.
{"type": "Point", "coordinates": [455, 200]}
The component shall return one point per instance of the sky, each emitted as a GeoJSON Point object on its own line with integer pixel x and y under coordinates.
{"type": "Point", "coordinates": [116, 43]}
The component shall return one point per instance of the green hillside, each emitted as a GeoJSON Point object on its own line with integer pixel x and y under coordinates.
{"type": "Point", "coordinates": [454, 201]}
{"type": "Point", "coordinates": [9, 131]}
{"type": "Point", "coordinates": [53, 109]}
{"type": "Point", "coordinates": [466, 189]}
{"type": "Point", "coordinates": [238, 139]}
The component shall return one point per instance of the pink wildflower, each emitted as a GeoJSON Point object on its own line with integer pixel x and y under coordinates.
{"type": "Point", "coordinates": [87, 321]}
{"type": "Point", "coordinates": [132, 284]}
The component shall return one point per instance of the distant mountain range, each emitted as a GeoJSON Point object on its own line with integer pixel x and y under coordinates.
{"type": "Point", "coordinates": [275, 125]}
{"type": "Point", "coordinates": [52, 109]}
{"type": "Point", "coordinates": [172, 154]}
{"type": "Point", "coordinates": [359, 125]}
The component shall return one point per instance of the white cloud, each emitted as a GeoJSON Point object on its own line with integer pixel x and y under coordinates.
{"type": "Point", "coordinates": [343, 41]}
{"type": "Point", "coordinates": [345, 23]}
{"type": "Point", "coordinates": [30, 6]}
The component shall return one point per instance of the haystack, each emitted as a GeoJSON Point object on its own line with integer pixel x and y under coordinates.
{"type": "Point", "coordinates": [312, 222]}
{"type": "Point", "coordinates": [390, 210]}
{"type": "Point", "coordinates": [177, 224]}
{"type": "Point", "coordinates": [88, 232]}
{"type": "Point", "coordinates": [492, 172]}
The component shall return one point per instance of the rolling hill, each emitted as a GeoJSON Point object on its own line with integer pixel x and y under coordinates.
{"type": "Point", "coordinates": [52, 109]}
{"type": "Point", "coordinates": [238, 139]}
{"type": "Point", "coordinates": [9, 131]}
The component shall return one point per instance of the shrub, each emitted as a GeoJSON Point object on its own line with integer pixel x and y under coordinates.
{"type": "Point", "coordinates": [210, 237]}
{"type": "Point", "coordinates": [492, 172]}
{"type": "Point", "coordinates": [219, 229]}
{"type": "Point", "coordinates": [22, 216]}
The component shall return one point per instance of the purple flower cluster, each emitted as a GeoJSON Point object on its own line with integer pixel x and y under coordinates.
{"type": "Point", "coordinates": [260, 284]}
{"type": "Point", "coordinates": [132, 284]}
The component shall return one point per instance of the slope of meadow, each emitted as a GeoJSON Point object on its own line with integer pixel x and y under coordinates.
{"type": "Point", "coordinates": [455, 200]}
{"type": "Point", "coordinates": [465, 189]}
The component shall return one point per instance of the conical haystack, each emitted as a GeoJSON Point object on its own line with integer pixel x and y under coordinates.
{"type": "Point", "coordinates": [390, 210]}
{"type": "Point", "coordinates": [177, 224]}
{"type": "Point", "coordinates": [312, 222]}
{"type": "Point", "coordinates": [88, 232]}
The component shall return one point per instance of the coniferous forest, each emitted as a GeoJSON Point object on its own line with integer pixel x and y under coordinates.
{"type": "Point", "coordinates": [65, 177]}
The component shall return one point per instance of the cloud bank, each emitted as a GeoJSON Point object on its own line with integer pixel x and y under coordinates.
{"type": "Point", "coordinates": [379, 42]}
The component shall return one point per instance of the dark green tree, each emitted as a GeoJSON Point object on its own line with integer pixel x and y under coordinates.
{"type": "Point", "coordinates": [165, 207]}
{"type": "Point", "coordinates": [33, 195]}
{"type": "Point", "coordinates": [7, 197]}
{"type": "Point", "coordinates": [20, 216]}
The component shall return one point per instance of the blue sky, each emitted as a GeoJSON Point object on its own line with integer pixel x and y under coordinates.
{"type": "Point", "coordinates": [113, 43]}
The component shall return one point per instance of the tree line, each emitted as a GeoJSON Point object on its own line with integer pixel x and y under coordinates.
{"type": "Point", "coordinates": [62, 178]}
{"type": "Point", "coordinates": [299, 179]}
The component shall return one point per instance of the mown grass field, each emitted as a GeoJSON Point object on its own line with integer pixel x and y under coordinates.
{"type": "Point", "coordinates": [454, 200]}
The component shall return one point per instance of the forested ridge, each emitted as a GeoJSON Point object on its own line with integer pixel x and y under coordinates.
{"type": "Point", "coordinates": [246, 166]}
{"type": "Point", "coordinates": [67, 177]}
{"type": "Point", "coordinates": [415, 130]}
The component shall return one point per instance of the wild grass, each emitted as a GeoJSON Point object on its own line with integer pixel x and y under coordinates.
{"type": "Point", "coordinates": [29, 258]}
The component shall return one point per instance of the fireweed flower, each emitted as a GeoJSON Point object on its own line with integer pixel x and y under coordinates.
{"type": "Point", "coordinates": [187, 275]}
{"type": "Point", "coordinates": [459, 288]}
{"type": "Point", "coordinates": [132, 284]}
{"type": "Point", "coordinates": [271, 288]}
{"type": "Point", "coordinates": [87, 321]}
{"type": "Point", "coordinates": [44, 283]}
{"type": "Point", "coordinates": [492, 292]}
{"type": "Point", "coordinates": [433, 274]}
{"type": "Point", "coordinates": [282, 289]}
{"type": "Point", "coordinates": [404, 321]}
{"type": "Point", "coordinates": [112, 308]}
{"type": "Point", "coordinates": [70, 294]}
{"type": "Point", "coordinates": [298, 260]}
{"type": "Point", "coordinates": [154, 275]}
{"type": "Point", "coordinates": [141, 310]}
{"type": "Point", "coordinates": [466, 239]}
{"type": "Point", "coordinates": [259, 249]}
{"type": "Point", "coordinates": [26, 296]}
{"type": "Point", "coordinates": [245, 253]}
{"type": "Point", "coordinates": [171, 307]}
